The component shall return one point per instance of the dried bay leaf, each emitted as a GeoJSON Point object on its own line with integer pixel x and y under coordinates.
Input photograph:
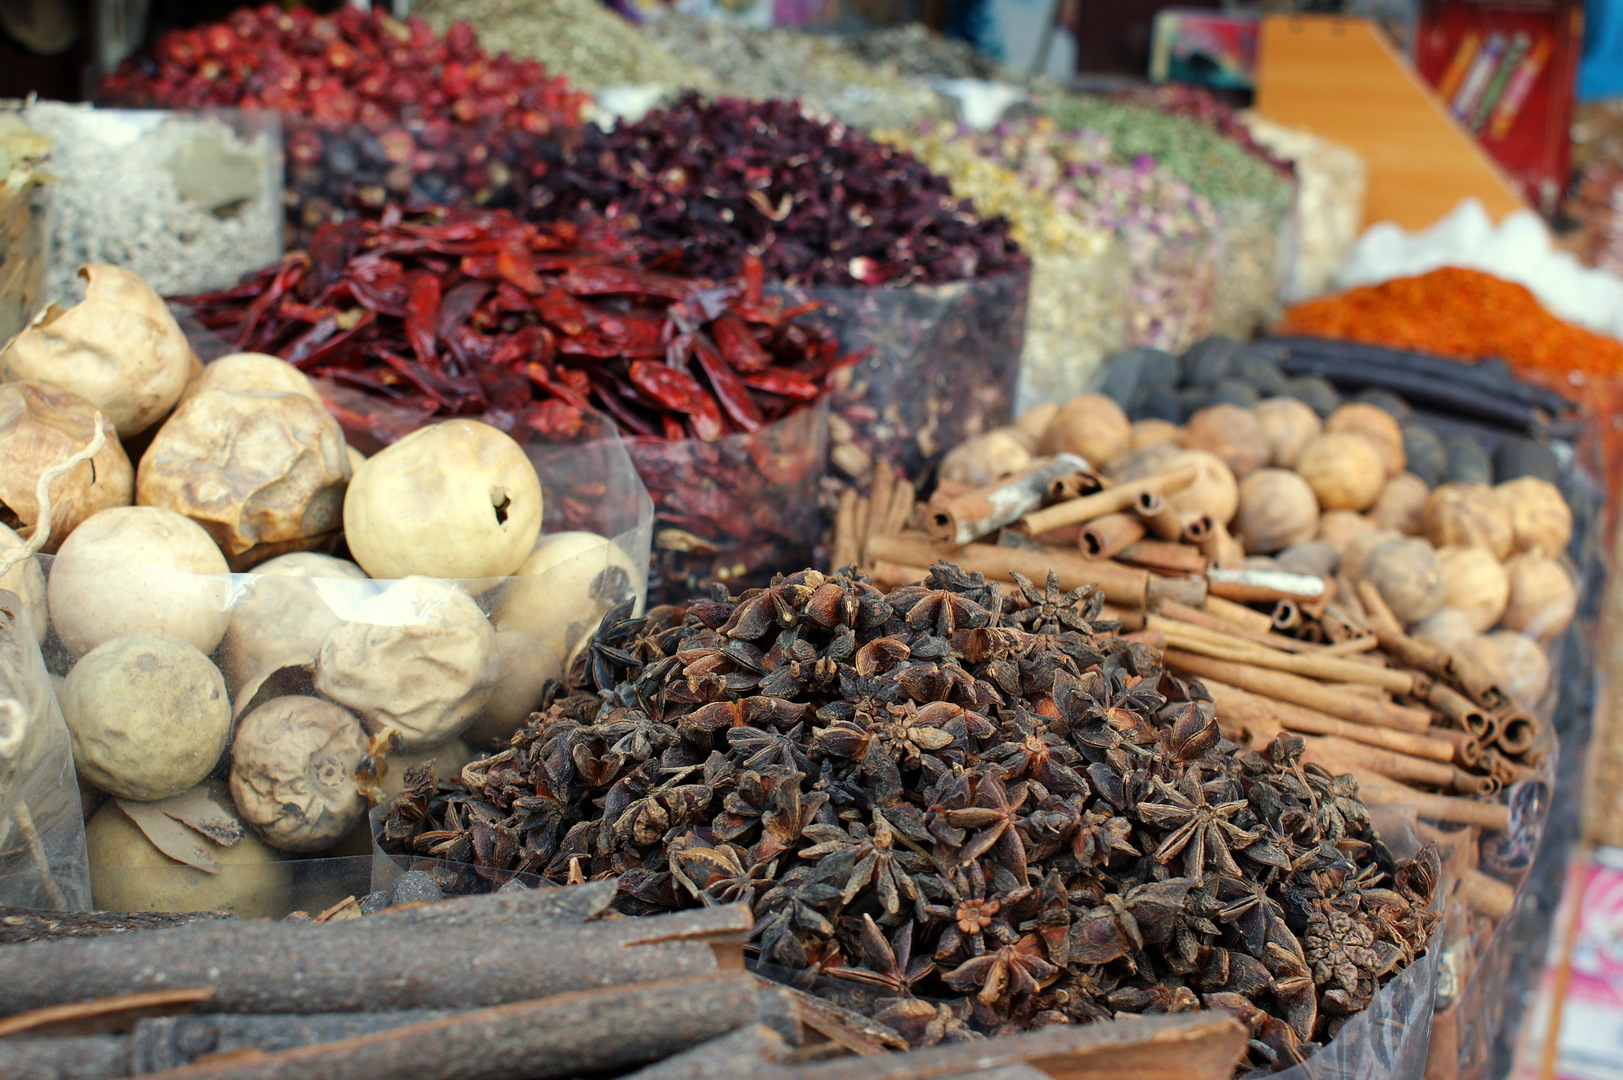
{"type": "Point", "coordinates": [202, 812]}
{"type": "Point", "coordinates": [170, 836]}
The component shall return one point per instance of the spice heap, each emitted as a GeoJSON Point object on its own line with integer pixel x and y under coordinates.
{"type": "Point", "coordinates": [701, 183]}
{"type": "Point", "coordinates": [188, 202]}
{"type": "Point", "coordinates": [473, 313]}
{"type": "Point", "coordinates": [913, 50]}
{"type": "Point", "coordinates": [374, 109]}
{"type": "Point", "coordinates": [1459, 313]}
{"type": "Point", "coordinates": [949, 792]}
{"type": "Point", "coordinates": [759, 64]}
{"type": "Point", "coordinates": [582, 40]}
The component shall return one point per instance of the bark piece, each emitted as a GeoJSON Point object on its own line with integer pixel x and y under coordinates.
{"type": "Point", "coordinates": [746, 1054]}
{"type": "Point", "coordinates": [22, 925]}
{"type": "Point", "coordinates": [569, 904]}
{"type": "Point", "coordinates": [87, 1057]}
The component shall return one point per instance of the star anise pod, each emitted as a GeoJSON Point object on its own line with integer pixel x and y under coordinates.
{"type": "Point", "coordinates": [1200, 831]}
{"type": "Point", "coordinates": [1052, 612]}
{"type": "Point", "coordinates": [1000, 975]}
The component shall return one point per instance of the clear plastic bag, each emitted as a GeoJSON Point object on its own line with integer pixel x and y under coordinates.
{"type": "Point", "coordinates": [1076, 315]}
{"type": "Point", "coordinates": [24, 217]}
{"type": "Point", "coordinates": [943, 367]}
{"type": "Point", "coordinates": [190, 201]}
{"type": "Point", "coordinates": [42, 833]}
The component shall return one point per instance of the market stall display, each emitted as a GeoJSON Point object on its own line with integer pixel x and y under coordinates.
{"type": "Point", "coordinates": [374, 110]}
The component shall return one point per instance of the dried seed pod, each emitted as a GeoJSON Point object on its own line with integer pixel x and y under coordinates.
{"type": "Point", "coordinates": [1231, 433]}
{"type": "Point", "coordinates": [1468, 514]}
{"type": "Point", "coordinates": [457, 499]}
{"type": "Point", "coordinates": [42, 426]}
{"type": "Point", "coordinates": [1355, 554]}
{"type": "Point", "coordinates": [418, 659]}
{"type": "Point", "coordinates": [1382, 430]}
{"type": "Point", "coordinates": [27, 581]}
{"type": "Point", "coordinates": [1476, 583]}
{"type": "Point", "coordinates": [293, 764]}
{"type": "Point", "coordinates": [119, 348]}
{"type": "Point", "coordinates": [1277, 509]}
{"type": "Point", "coordinates": [1526, 666]}
{"type": "Point", "coordinates": [1406, 574]}
{"type": "Point", "coordinates": [284, 612]}
{"type": "Point", "coordinates": [263, 470]}
{"type": "Point", "coordinates": [1542, 597]}
{"type": "Point", "coordinates": [135, 569]}
{"type": "Point", "coordinates": [523, 666]}
{"type": "Point", "coordinates": [248, 372]}
{"type": "Point", "coordinates": [1091, 426]}
{"type": "Point", "coordinates": [1035, 420]}
{"type": "Point", "coordinates": [1338, 527]}
{"type": "Point", "coordinates": [565, 587]}
{"type": "Point", "coordinates": [1153, 433]}
{"type": "Point", "coordinates": [448, 759]}
{"type": "Point", "coordinates": [149, 716]}
{"type": "Point", "coordinates": [129, 873]}
{"type": "Point", "coordinates": [988, 458]}
{"type": "Point", "coordinates": [1539, 517]}
{"type": "Point", "coordinates": [1401, 503]}
{"type": "Point", "coordinates": [1345, 470]}
{"type": "Point", "coordinates": [1289, 425]}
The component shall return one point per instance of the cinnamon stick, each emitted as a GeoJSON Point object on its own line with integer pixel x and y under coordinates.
{"type": "Point", "coordinates": [1238, 614]}
{"type": "Point", "coordinates": [368, 964]}
{"type": "Point", "coordinates": [746, 1054]}
{"type": "Point", "coordinates": [567, 1034]}
{"type": "Point", "coordinates": [1318, 667]}
{"type": "Point", "coordinates": [1074, 485]}
{"type": "Point", "coordinates": [19, 925]}
{"type": "Point", "coordinates": [1486, 896]}
{"type": "Point", "coordinates": [1254, 586]}
{"type": "Point", "coordinates": [1197, 529]}
{"type": "Point", "coordinates": [1165, 557]}
{"type": "Point", "coordinates": [1123, 585]}
{"type": "Point", "coordinates": [1104, 537]}
{"type": "Point", "coordinates": [1461, 711]}
{"type": "Point", "coordinates": [1374, 788]}
{"type": "Point", "coordinates": [1284, 686]}
{"type": "Point", "coordinates": [1207, 620]}
{"type": "Point", "coordinates": [1287, 615]}
{"type": "Point", "coordinates": [889, 575]}
{"type": "Point", "coordinates": [1108, 501]}
{"type": "Point", "coordinates": [846, 541]}
{"type": "Point", "coordinates": [884, 486]}
{"type": "Point", "coordinates": [969, 517]}
{"type": "Point", "coordinates": [1467, 751]}
{"type": "Point", "coordinates": [1190, 591]}
{"type": "Point", "coordinates": [1396, 765]}
{"type": "Point", "coordinates": [1245, 706]}
{"type": "Point", "coordinates": [1517, 730]}
{"type": "Point", "coordinates": [1158, 515]}
{"type": "Point", "coordinates": [1190, 1046]}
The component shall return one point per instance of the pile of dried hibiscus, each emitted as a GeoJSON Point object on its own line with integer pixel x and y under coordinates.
{"type": "Point", "coordinates": [947, 793]}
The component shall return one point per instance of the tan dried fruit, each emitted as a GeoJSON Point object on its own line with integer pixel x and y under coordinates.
{"type": "Point", "coordinates": [1406, 574]}
{"type": "Point", "coordinates": [264, 471]}
{"type": "Point", "coordinates": [1214, 492]}
{"type": "Point", "coordinates": [1153, 433]}
{"type": "Point", "coordinates": [1277, 509]}
{"type": "Point", "coordinates": [1526, 666]}
{"type": "Point", "coordinates": [1383, 431]}
{"type": "Point", "coordinates": [1357, 550]}
{"type": "Point", "coordinates": [1468, 514]}
{"type": "Point", "coordinates": [258, 373]}
{"type": "Point", "coordinates": [457, 499]}
{"type": "Point", "coordinates": [1035, 420]}
{"type": "Point", "coordinates": [293, 764]}
{"type": "Point", "coordinates": [1542, 597]}
{"type": "Point", "coordinates": [1476, 583]}
{"type": "Point", "coordinates": [135, 569]}
{"type": "Point", "coordinates": [418, 659]}
{"type": "Point", "coordinates": [1540, 518]}
{"type": "Point", "coordinates": [40, 427]}
{"type": "Point", "coordinates": [27, 581]}
{"type": "Point", "coordinates": [149, 716]}
{"type": "Point", "coordinates": [1289, 424]}
{"type": "Point", "coordinates": [119, 348]}
{"type": "Point", "coordinates": [1401, 503]}
{"type": "Point", "coordinates": [1338, 527]}
{"type": "Point", "coordinates": [1231, 433]}
{"type": "Point", "coordinates": [987, 458]}
{"type": "Point", "coordinates": [1091, 426]}
{"type": "Point", "coordinates": [1344, 469]}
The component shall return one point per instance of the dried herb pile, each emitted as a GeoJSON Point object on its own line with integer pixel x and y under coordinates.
{"type": "Point", "coordinates": [1199, 104]}
{"type": "Point", "coordinates": [946, 792]}
{"type": "Point", "coordinates": [474, 313]}
{"type": "Point", "coordinates": [915, 51]}
{"type": "Point", "coordinates": [700, 184]}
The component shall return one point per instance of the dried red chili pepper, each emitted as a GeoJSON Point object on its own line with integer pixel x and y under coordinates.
{"type": "Point", "coordinates": [530, 327]}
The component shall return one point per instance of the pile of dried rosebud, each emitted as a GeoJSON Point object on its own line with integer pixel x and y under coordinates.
{"type": "Point", "coordinates": [946, 794]}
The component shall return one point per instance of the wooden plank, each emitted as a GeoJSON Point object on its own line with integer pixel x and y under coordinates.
{"type": "Point", "coordinates": [1342, 79]}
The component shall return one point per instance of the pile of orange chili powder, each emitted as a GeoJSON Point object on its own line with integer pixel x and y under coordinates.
{"type": "Point", "coordinates": [1465, 314]}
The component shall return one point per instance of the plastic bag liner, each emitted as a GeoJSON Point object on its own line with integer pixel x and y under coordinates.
{"type": "Point", "coordinates": [42, 832]}
{"type": "Point", "coordinates": [943, 367]}
{"type": "Point", "coordinates": [24, 229]}
{"type": "Point", "coordinates": [735, 510]}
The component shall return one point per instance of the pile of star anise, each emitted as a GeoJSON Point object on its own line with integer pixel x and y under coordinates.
{"type": "Point", "coordinates": [975, 810]}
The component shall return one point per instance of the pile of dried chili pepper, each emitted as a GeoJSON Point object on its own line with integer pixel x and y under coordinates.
{"type": "Point", "coordinates": [1459, 313]}
{"type": "Point", "coordinates": [474, 313]}
{"type": "Point", "coordinates": [701, 184]}
{"type": "Point", "coordinates": [375, 109]}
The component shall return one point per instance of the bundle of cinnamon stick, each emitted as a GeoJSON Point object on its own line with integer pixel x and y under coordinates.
{"type": "Point", "coordinates": [520, 985]}
{"type": "Point", "coordinates": [1425, 731]}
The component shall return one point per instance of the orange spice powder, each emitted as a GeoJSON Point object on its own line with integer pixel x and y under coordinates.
{"type": "Point", "coordinates": [1464, 314]}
